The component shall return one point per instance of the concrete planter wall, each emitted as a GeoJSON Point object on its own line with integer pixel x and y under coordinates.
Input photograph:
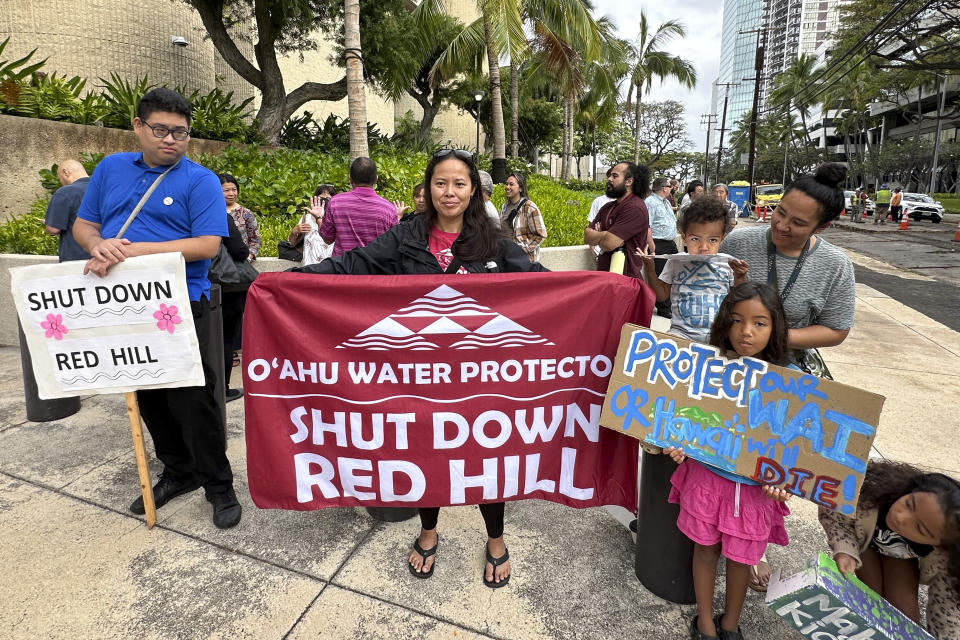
{"type": "Point", "coordinates": [28, 145]}
{"type": "Point", "coordinates": [577, 258]}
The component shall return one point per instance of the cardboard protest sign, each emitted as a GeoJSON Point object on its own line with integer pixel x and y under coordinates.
{"type": "Point", "coordinates": [132, 329]}
{"type": "Point", "coordinates": [435, 390]}
{"type": "Point", "coordinates": [822, 604]}
{"type": "Point", "coordinates": [775, 425]}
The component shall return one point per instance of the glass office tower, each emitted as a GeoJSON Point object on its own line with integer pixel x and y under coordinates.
{"type": "Point", "coordinates": [737, 57]}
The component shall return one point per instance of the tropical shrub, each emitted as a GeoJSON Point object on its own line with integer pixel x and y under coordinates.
{"type": "Point", "coordinates": [49, 97]}
{"type": "Point", "coordinates": [277, 184]}
{"type": "Point", "coordinates": [13, 73]}
{"type": "Point", "coordinates": [215, 117]}
{"type": "Point", "coordinates": [26, 234]}
{"type": "Point", "coordinates": [122, 98]}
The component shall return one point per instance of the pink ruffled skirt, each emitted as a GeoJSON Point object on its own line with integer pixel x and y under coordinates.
{"type": "Point", "coordinates": [715, 510]}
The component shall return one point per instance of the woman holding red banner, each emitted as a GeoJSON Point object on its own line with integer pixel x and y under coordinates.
{"type": "Point", "coordinates": [454, 235]}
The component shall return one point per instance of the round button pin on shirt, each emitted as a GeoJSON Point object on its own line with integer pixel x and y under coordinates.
{"type": "Point", "coordinates": [168, 201]}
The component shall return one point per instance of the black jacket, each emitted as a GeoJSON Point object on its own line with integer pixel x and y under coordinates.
{"type": "Point", "coordinates": [403, 249]}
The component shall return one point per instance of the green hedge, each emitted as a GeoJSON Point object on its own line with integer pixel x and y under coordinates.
{"type": "Point", "coordinates": [950, 201]}
{"type": "Point", "coordinates": [276, 185]}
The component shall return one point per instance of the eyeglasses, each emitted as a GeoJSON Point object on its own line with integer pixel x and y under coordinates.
{"type": "Point", "coordinates": [463, 154]}
{"type": "Point", "coordinates": [160, 131]}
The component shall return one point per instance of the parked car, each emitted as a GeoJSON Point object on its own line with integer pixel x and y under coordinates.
{"type": "Point", "coordinates": [919, 206]}
{"type": "Point", "coordinates": [847, 204]}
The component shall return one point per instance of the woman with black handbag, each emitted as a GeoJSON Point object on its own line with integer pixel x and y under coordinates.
{"type": "Point", "coordinates": [234, 283]}
{"type": "Point", "coordinates": [815, 279]}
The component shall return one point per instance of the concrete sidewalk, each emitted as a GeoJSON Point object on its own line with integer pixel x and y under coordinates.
{"type": "Point", "coordinates": [77, 564]}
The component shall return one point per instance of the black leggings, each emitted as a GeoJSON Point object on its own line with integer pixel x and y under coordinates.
{"type": "Point", "coordinates": [492, 517]}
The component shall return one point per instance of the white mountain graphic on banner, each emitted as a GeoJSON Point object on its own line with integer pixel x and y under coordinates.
{"type": "Point", "coordinates": [443, 317]}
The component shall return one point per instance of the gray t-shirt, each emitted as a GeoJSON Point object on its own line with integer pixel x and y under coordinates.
{"type": "Point", "coordinates": [696, 290]}
{"type": "Point", "coordinates": [825, 291]}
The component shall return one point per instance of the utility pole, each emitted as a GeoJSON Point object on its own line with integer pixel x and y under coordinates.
{"type": "Point", "coordinates": [758, 66]}
{"type": "Point", "coordinates": [936, 142]}
{"type": "Point", "coordinates": [723, 123]}
{"type": "Point", "coordinates": [707, 120]}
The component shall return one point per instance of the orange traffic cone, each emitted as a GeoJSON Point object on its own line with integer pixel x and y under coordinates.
{"type": "Point", "coordinates": [905, 221]}
{"type": "Point", "coordinates": [956, 235]}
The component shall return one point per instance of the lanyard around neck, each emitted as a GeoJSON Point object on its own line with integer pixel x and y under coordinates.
{"type": "Point", "coordinates": [772, 266]}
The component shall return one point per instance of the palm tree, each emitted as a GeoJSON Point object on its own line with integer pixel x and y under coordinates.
{"type": "Point", "coordinates": [570, 62]}
{"type": "Point", "coordinates": [793, 87]}
{"type": "Point", "coordinates": [850, 98]}
{"type": "Point", "coordinates": [356, 98]}
{"type": "Point", "coordinates": [564, 33]}
{"type": "Point", "coordinates": [498, 29]}
{"type": "Point", "coordinates": [649, 62]}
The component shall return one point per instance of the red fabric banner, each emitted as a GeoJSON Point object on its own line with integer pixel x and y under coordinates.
{"type": "Point", "coordinates": [436, 390]}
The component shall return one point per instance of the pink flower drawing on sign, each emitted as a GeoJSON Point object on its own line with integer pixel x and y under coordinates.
{"type": "Point", "coordinates": [54, 326]}
{"type": "Point", "coordinates": [167, 317]}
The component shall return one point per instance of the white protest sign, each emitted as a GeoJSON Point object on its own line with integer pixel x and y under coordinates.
{"type": "Point", "coordinates": [131, 330]}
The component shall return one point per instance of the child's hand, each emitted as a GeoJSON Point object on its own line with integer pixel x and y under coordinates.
{"type": "Point", "coordinates": [646, 255]}
{"type": "Point", "coordinates": [846, 564]}
{"type": "Point", "coordinates": [776, 493]}
{"type": "Point", "coordinates": [675, 453]}
{"type": "Point", "coordinates": [739, 267]}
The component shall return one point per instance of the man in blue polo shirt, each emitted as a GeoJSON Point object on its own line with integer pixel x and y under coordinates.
{"type": "Point", "coordinates": [186, 213]}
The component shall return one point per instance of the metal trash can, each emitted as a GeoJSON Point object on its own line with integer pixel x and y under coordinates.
{"type": "Point", "coordinates": [41, 410]}
{"type": "Point", "coordinates": [664, 556]}
{"type": "Point", "coordinates": [215, 355]}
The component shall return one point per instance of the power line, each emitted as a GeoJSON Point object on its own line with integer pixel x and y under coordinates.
{"type": "Point", "coordinates": [852, 51]}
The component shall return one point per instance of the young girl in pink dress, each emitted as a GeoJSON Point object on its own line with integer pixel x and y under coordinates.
{"type": "Point", "coordinates": [722, 513]}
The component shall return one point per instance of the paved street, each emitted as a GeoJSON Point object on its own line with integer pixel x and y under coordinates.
{"type": "Point", "coordinates": [919, 267]}
{"type": "Point", "coordinates": [79, 565]}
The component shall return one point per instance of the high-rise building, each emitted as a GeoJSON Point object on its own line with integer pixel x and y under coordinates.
{"type": "Point", "coordinates": [795, 27]}
{"type": "Point", "coordinates": [737, 58]}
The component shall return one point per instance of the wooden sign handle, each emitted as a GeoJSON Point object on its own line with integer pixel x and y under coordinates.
{"type": "Point", "coordinates": [143, 469]}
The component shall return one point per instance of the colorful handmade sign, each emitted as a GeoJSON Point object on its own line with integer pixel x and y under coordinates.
{"type": "Point", "coordinates": [778, 426]}
{"type": "Point", "coordinates": [132, 329]}
{"type": "Point", "coordinates": [822, 604]}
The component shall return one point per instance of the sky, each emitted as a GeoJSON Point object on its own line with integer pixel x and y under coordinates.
{"type": "Point", "coordinates": [703, 20]}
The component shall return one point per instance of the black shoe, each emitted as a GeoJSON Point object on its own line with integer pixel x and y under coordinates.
{"type": "Point", "coordinates": [633, 525]}
{"type": "Point", "coordinates": [726, 635]}
{"type": "Point", "coordinates": [164, 491]}
{"type": "Point", "coordinates": [234, 394]}
{"type": "Point", "coordinates": [695, 631]}
{"type": "Point", "coordinates": [226, 509]}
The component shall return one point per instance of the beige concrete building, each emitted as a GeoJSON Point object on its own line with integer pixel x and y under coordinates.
{"type": "Point", "coordinates": [92, 38]}
{"type": "Point", "coordinates": [166, 41]}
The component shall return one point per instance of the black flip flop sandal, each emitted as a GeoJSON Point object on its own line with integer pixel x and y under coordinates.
{"type": "Point", "coordinates": [496, 562]}
{"type": "Point", "coordinates": [423, 554]}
